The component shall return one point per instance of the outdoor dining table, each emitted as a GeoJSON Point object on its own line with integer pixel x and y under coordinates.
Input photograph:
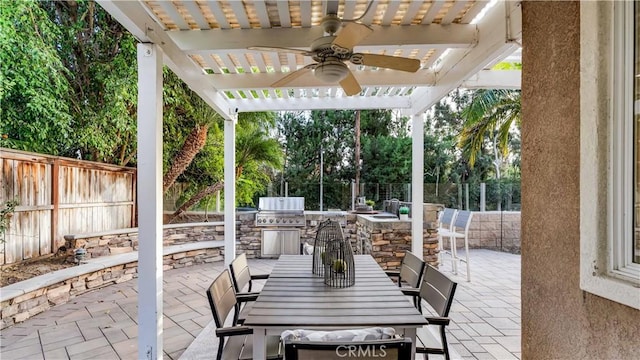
{"type": "Point", "coordinates": [295, 298]}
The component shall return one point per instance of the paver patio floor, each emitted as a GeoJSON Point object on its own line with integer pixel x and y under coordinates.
{"type": "Point", "coordinates": [102, 324]}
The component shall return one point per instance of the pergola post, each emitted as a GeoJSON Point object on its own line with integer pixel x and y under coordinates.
{"type": "Point", "coordinates": [417, 180]}
{"type": "Point", "coordinates": [149, 201]}
{"type": "Point", "coordinates": [229, 190]}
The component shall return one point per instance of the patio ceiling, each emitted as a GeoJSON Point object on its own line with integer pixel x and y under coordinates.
{"type": "Point", "coordinates": [205, 43]}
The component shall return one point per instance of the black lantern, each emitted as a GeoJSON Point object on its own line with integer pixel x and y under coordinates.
{"type": "Point", "coordinates": [326, 231]}
{"type": "Point", "coordinates": [333, 256]}
{"type": "Point", "coordinates": [339, 267]}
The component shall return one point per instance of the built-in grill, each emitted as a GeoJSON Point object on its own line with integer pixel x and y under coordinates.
{"type": "Point", "coordinates": [280, 212]}
{"type": "Point", "coordinates": [280, 217]}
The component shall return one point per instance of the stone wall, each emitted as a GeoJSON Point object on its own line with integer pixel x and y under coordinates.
{"type": "Point", "coordinates": [23, 307]}
{"type": "Point", "coordinates": [126, 240]}
{"type": "Point", "coordinates": [494, 230]}
{"type": "Point", "coordinates": [388, 241]}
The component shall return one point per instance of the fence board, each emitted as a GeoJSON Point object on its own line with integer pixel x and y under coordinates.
{"type": "Point", "coordinates": [44, 232]}
{"type": "Point", "coordinates": [89, 197]}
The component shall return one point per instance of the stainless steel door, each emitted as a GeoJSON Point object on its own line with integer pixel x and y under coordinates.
{"type": "Point", "coordinates": [276, 242]}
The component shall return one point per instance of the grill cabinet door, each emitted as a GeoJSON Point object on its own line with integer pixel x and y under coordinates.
{"type": "Point", "coordinates": [276, 242]}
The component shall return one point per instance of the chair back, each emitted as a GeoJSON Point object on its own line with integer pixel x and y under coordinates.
{"type": "Point", "coordinates": [222, 297]}
{"type": "Point", "coordinates": [463, 220]}
{"type": "Point", "coordinates": [240, 272]}
{"type": "Point", "coordinates": [412, 269]}
{"type": "Point", "coordinates": [437, 290]}
{"type": "Point", "coordinates": [396, 349]}
{"type": "Point", "coordinates": [447, 217]}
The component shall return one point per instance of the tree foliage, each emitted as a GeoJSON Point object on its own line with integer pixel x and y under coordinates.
{"type": "Point", "coordinates": [34, 89]}
{"type": "Point", "coordinates": [256, 154]}
{"type": "Point", "coordinates": [100, 56]}
{"type": "Point", "coordinates": [490, 118]}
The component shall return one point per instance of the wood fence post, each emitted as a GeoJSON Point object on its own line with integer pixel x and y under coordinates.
{"type": "Point", "coordinates": [55, 201]}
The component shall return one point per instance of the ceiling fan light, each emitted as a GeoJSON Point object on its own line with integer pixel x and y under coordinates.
{"type": "Point", "coordinates": [331, 71]}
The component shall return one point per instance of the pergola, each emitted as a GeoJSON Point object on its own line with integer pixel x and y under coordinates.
{"type": "Point", "coordinates": [206, 44]}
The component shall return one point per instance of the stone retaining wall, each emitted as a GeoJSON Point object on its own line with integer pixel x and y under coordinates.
{"type": "Point", "coordinates": [126, 240]}
{"type": "Point", "coordinates": [22, 307]}
{"type": "Point", "coordinates": [494, 230]}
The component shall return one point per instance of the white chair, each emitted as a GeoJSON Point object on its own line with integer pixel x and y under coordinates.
{"type": "Point", "coordinates": [459, 230]}
{"type": "Point", "coordinates": [445, 224]}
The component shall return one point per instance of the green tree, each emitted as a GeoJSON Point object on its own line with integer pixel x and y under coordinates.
{"type": "Point", "coordinates": [306, 136]}
{"type": "Point", "coordinates": [34, 89]}
{"type": "Point", "coordinates": [185, 114]}
{"type": "Point", "coordinates": [386, 160]}
{"type": "Point", "coordinates": [100, 56]}
{"type": "Point", "coordinates": [490, 118]}
{"type": "Point", "coordinates": [255, 151]}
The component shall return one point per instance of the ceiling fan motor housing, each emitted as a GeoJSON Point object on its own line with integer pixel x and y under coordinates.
{"type": "Point", "coordinates": [331, 71]}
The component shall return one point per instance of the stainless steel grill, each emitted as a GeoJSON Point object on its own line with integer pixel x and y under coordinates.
{"type": "Point", "coordinates": [280, 212]}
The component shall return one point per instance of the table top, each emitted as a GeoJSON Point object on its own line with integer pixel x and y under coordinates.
{"type": "Point", "coordinates": [293, 297]}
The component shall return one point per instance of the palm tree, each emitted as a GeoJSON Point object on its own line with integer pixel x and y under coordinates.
{"type": "Point", "coordinates": [184, 109]}
{"type": "Point", "coordinates": [253, 146]}
{"type": "Point", "coordinates": [491, 114]}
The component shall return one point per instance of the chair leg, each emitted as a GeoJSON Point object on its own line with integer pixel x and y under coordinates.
{"type": "Point", "coordinates": [440, 249]}
{"type": "Point", "coordinates": [466, 251]}
{"type": "Point", "coordinates": [249, 286]}
{"type": "Point", "coordinates": [454, 255]}
{"type": "Point", "coordinates": [445, 346]}
{"type": "Point", "coordinates": [220, 348]}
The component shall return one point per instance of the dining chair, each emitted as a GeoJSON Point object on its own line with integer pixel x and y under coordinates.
{"type": "Point", "coordinates": [390, 349]}
{"type": "Point", "coordinates": [243, 279]}
{"type": "Point", "coordinates": [437, 290]}
{"type": "Point", "coordinates": [242, 276]}
{"type": "Point", "coordinates": [445, 222]}
{"type": "Point", "coordinates": [459, 230]}
{"type": "Point", "coordinates": [235, 341]}
{"type": "Point", "coordinates": [409, 274]}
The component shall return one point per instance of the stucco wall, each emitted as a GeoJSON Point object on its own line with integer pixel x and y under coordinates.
{"type": "Point", "coordinates": [559, 320]}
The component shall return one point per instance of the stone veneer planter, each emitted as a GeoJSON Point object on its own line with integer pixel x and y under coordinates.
{"type": "Point", "coordinates": [388, 240]}
{"type": "Point", "coordinates": [25, 299]}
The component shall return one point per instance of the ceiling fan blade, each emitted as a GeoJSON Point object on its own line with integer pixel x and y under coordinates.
{"type": "Point", "coordinates": [350, 85]}
{"type": "Point", "coordinates": [350, 36]}
{"type": "Point", "coordinates": [293, 75]}
{"type": "Point", "coordinates": [280, 49]}
{"type": "Point", "coordinates": [387, 62]}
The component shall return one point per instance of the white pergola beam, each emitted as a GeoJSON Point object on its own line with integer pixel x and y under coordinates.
{"type": "Point", "coordinates": [365, 78]}
{"type": "Point", "coordinates": [494, 79]}
{"type": "Point", "coordinates": [316, 103]}
{"type": "Point", "coordinates": [434, 36]}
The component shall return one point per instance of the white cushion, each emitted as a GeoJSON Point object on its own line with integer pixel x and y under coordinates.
{"type": "Point", "coordinates": [374, 333]}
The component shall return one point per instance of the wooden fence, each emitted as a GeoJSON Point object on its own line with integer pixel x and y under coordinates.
{"type": "Point", "coordinates": [60, 196]}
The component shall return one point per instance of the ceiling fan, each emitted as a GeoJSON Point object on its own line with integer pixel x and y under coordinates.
{"type": "Point", "coordinates": [331, 51]}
